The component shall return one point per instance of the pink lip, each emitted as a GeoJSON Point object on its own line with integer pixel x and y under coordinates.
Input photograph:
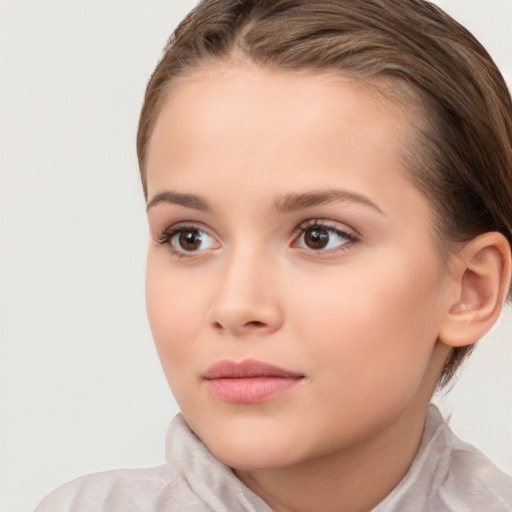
{"type": "Point", "coordinates": [248, 381]}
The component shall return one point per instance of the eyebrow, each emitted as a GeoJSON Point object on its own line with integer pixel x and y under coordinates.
{"type": "Point", "coordinates": [286, 204]}
{"type": "Point", "coordinates": [186, 200]}
{"type": "Point", "coordinates": [294, 202]}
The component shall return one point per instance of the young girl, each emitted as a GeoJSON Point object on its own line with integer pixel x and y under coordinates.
{"type": "Point", "coordinates": [329, 195]}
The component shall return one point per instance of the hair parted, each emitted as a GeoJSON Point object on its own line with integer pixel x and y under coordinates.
{"type": "Point", "coordinates": [462, 157]}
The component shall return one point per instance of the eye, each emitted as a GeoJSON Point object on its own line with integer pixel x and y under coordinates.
{"type": "Point", "coordinates": [186, 239]}
{"type": "Point", "coordinates": [318, 236]}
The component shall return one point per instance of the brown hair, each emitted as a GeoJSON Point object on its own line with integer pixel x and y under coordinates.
{"type": "Point", "coordinates": [462, 160]}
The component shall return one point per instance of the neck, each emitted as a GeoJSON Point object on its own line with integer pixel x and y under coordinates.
{"type": "Point", "coordinates": [353, 480]}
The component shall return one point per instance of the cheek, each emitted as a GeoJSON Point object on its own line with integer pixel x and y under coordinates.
{"type": "Point", "coordinates": [372, 329]}
{"type": "Point", "coordinates": [175, 308]}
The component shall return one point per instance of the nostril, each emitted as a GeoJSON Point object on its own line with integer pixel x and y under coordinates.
{"type": "Point", "coordinates": [240, 328]}
{"type": "Point", "coordinates": [255, 323]}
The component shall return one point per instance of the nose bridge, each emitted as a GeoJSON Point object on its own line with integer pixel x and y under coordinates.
{"type": "Point", "coordinates": [246, 296]}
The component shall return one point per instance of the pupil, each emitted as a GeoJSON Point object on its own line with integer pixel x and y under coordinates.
{"type": "Point", "coordinates": [316, 238]}
{"type": "Point", "coordinates": [190, 240]}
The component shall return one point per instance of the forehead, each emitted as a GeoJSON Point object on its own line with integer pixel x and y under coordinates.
{"type": "Point", "coordinates": [228, 80]}
{"type": "Point", "coordinates": [228, 123]}
{"type": "Point", "coordinates": [269, 97]}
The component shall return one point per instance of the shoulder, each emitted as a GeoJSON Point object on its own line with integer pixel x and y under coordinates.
{"type": "Point", "coordinates": [129, 490]}
{"type": "Point", "coordinates": [192, 480]}
{"type": "Point", "coordinates": [463, 477]}
{"type": "Point", "coordinates": [473, 480]}
{"type": "Point", "coordinates": [449, 475]}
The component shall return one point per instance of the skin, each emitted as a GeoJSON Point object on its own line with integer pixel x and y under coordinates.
{"type": "Point", "coordinates": [359, 320]}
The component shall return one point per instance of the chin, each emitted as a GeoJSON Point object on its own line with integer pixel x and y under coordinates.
{"type": "Point", "coordinates": [250, 445]}
{"type": "Point", "coordinates": [251, 456]}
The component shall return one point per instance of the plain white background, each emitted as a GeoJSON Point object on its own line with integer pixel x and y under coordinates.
{"type": "Point", "coordinates": [81, 385]}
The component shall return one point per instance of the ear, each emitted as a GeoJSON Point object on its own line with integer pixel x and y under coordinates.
{"type": "Point", "coordinates": [481, 279]}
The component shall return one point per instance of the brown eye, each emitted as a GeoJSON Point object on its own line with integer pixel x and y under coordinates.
{"type": "Point", "coordinates": [186, 240]}
{"type": "Point", "coordinates": [320, 237]}
{"type": "Point", "coordinates": [316, 238]}
{"type": "Point", "coordinates": [189, 240]}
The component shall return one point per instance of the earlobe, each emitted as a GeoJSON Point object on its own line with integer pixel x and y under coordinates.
{"type": "Point", "coordinates": [481, 271]}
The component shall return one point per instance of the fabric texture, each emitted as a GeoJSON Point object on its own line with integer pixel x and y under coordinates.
{"type": "Point", "coordinates": [447, 475]}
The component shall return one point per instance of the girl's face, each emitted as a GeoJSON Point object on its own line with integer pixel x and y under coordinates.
{"type": "Point", "coordinates": [285, 234]}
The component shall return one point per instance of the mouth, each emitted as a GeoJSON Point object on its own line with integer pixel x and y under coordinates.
{"type": "Point", "coordinates": [248, 381]}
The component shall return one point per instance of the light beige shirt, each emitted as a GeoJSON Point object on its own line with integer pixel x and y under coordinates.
{"type": "Point", "coordinates": [447, 475]}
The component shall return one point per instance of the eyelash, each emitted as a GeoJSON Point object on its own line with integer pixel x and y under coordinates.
{"type": "Point", "coordinates": [327, 226]}
{"type": "Point", "coordinates": [167, 236]}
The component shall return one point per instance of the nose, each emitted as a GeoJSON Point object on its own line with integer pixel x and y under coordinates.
{"type": "Point", "coordinates": [246, 301]}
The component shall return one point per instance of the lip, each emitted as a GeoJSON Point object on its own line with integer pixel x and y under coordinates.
{"type": "Point", "coordinates": [248, 381]}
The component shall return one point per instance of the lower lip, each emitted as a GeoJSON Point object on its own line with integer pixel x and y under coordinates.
{"type": "Point", "coordinates": [250, 390]}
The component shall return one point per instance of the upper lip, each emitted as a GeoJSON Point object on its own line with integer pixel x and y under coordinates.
{"type": "Point", "coordinates": [246, 369]}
